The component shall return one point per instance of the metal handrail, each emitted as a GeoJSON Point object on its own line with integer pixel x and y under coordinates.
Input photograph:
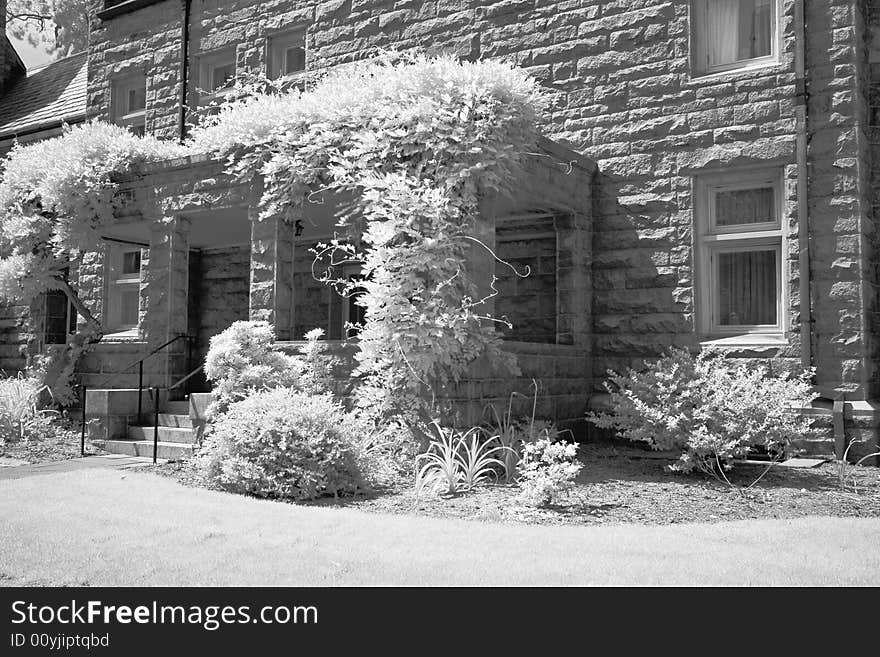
{"type": "Point", "coordinates": [140, 363]}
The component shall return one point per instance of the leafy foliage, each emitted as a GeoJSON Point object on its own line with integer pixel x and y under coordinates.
{"type": "Point", "coordinates": [243, 359]}
{"type": "Point", "coordinates": [56, 198]}
{"type": "Point", "coordinates": [709, 406]}
{"type": "Point", "coordinates": [61, 27]}
{"type": "Point", "coordinates": [417, 142]}
{"type": "Point", "coordinates": [282, 443]}
{"type": "Point", "coordinates": [547, 471]}
{"type": "Point", "coordinates": [457, 461]}
{"type": "Point", "coordinates": [19, 414]}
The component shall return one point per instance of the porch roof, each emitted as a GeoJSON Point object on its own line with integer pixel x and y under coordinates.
{"type": "Point", "coordinates": [556, 180]}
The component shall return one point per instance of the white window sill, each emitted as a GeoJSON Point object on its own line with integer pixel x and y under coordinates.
{"type": "Point", "coordinates": [735, 72]}
{"type": "Point", "coordinates": [128, 335]}
{"type": "Point", "coordinates": [746, 340]}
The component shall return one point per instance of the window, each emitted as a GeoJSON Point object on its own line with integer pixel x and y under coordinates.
{"type": "Point", "coordinates": [740, 255]}
{"type": "Point", "coordinates": [351, 311]}
{"type": "Point", "coordinates": [123, 287]}
{"type": "Point", "coordinates": [129, 103]}
{"type": "Point", "coordinates": [60, 317]}
{"type": "Point", "coordinates": [728, 34]}
{"type": "Point", "coordinates": [286, 54]}
{"type": "Point", "coordinates": [216, 74]}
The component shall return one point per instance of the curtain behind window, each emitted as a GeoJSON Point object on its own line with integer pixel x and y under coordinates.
{"type": "Point", "coordinates": [734, 30]}
{"type": "Point", "coordinates": [747, 288]}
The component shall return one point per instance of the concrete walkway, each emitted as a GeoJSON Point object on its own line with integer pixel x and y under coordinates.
{"type": "Point", "coordinates": [105, 526]}
{"type": "Point", "coordinates": [14, 469]}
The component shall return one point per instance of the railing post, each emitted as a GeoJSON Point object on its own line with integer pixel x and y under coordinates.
{"type": "Point", "coordinates": [140, 387]}
{"type": "Point", "coordinates": [82, 436]}
{"type": "Point", "coordinates": [155, 422]}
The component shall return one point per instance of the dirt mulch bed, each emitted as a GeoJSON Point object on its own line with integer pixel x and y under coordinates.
{"type": "Point", "coordinates": [64, 445]}
{"type": "Point", "coordinates": [625, 485]}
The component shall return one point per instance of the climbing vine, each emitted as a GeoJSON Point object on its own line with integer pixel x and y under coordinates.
{"type": "Point", "coordinates": [56, 197]}
{"type": "Point", "coordinates": [418, 142]}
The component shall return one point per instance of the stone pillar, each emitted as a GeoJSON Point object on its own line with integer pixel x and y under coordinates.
{"type": "Point", "coordinates": [481, 259]}
{"type": "Point", "coordinates": [271, 284]}
{"type": "Point", "coordinates": [165, 294]}
{"type": "Point", "coordinates": [573, 280]}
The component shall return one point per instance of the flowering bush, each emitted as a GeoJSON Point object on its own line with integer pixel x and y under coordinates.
{"type": "Point", "coordinates": [243, 359]}
{"type": "Point", "coordinates": [547, 471]}
{"type": "Point", "coordinates": [282, 443]}
{"type": "Point", "coordinates": [416, 141]}
{"type": "Point", "coordinates": [712, 408]}
{"type": "Point", "coordinates": [56, 198]}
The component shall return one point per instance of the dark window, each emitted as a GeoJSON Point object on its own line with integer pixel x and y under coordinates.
{"type": "Point", "coordinates": [59, 319]}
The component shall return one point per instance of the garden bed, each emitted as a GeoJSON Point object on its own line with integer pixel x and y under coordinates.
{"type": "Point", "coordinates": [65, 444]}
{"type": "Point", "coordinates": [625, 485]}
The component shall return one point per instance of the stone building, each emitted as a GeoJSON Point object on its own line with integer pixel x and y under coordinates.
{"type": "Point", "coordinates": [734, 142]}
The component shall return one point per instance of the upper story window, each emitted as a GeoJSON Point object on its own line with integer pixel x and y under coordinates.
{"type": "Point", "coordinates": [729, 34]}
{"type": "Point", "coordinates": [123, 287]}
{"type": "Point", "coordinates": [740, 253]}
{"type": "Point", "coordinates": [216, 74]}
{"type": "Point", "coordinates": [286, 54]}
{"type": "Point", "coordinates": [129, 103]}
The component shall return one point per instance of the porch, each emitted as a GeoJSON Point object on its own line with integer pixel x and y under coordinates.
{"type": "Point", "coordinates": [205, 259]}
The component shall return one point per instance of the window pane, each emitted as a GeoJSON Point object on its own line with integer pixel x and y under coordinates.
{"type": "Point", "coordinates": [747, 288]}
{"type": "Point", "coordinates": [294, 60]}
{"type": "Point", "coordinates": [128, 306]}
{"type": "Point", "coordinates": [222, 76]}
{"type": "Point", "coordinates": [745, 206]}
{"type": "Point", "coordinates": [131, 262]}
{"type": "Point", "coordinates": [737, 30]}
{"type": "Point", "coordinates": [136, 100]}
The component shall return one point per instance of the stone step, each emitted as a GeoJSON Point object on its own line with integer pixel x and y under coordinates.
{"type": "Point", "coordinates": [145, 448]}
{"type": "Point", "coordinates": [176, 407]}
{"type": "Point", "coordinates": [174, 420]}
{"type": "Point", "coordinates": [181, 435]}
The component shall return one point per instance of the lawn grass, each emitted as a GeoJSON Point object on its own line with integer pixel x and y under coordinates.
{"type": "Point", "coordinates": [111, 527]}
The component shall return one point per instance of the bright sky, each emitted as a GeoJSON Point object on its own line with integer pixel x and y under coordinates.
{"type": "Point", "coordinates": [32, 57]}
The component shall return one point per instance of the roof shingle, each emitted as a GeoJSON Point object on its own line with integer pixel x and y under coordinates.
{"type": "Point", "coordinates": [45, 96]}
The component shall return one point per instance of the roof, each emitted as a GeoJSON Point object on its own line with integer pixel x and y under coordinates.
{"type": "Point", "coordinates": [45, 97]}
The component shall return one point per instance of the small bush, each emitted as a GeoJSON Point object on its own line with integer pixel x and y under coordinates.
{"type": "Point", "coordinates": [19, 416]}
{"type": "Point", "coordinates": [712, 408]}
{"type": "Point", "coordinates": [282, 443]}
{"type": "Point", "coordinates": [547, 471]}
{"type": "Point", "coordinates": [243, 359]}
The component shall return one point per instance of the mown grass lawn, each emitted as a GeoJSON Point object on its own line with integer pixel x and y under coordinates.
{"type": "Point", "coordinates": [111, 527]}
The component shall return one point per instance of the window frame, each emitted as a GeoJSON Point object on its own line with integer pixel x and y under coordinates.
{"type": "Point", "coordinates": [276, 49]}
{"type": "Point", "coordinates": [699, 54]}
{"type": "Point", "coordinates": [207, 64]}
{"type": "Point", "coordinates": [116, 283]}
{"type": "Point", "coordinates": [712, 240]}
{"type": "Point", "coordinates": [122, 115]}
{"type": "Point", "coordinates": [349, 270]}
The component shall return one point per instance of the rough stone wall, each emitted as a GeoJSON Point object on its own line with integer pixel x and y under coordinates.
{"type": "Point", "coordinates": [620, 76]}
{"type": "Point", "coordinates": [14, 332]}
{"type": "Point", "coordinates": [312, 299]}
{"type": "Point", "coordinates": [222, 292]}
{"type": "Point", "coordinates": [841, 224]}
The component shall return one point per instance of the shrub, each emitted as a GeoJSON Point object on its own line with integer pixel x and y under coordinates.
{"type": "Point", "coordinates": [712, 408]}
{"type": "Point", "coordinates": [282, 443]}
{"type": "Point", "coordinates": [19, 417]}
{"type": "Point", "coordinates": [547, 471]}
{"type": "Point", "coordinates": [243, 359]}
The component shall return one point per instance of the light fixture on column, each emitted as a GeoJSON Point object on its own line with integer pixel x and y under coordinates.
{"type": "Point", "coordinates": [298, 225]}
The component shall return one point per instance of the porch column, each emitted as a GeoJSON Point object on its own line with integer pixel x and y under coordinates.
{"type": "Point", "coordinates": [271, 283]}
{"type": "Point", "coordinates": [165, 296]}
{"type": "Point", "coordinates": [573, 282]}
{"type": "Point", "coordinates": [481, 259]}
